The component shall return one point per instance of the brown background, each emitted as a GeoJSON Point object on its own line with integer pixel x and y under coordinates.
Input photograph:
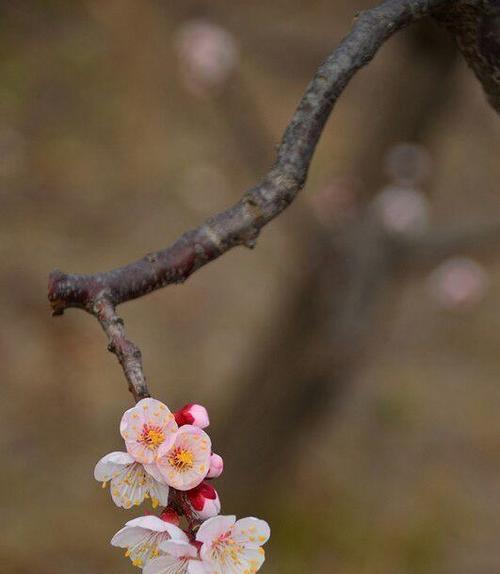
{"type": "Point", "coordinates": [105, 154]}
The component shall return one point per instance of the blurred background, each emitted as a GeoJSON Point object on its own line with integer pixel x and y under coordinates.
{"type": "Point", "coordinates": [349, 363]}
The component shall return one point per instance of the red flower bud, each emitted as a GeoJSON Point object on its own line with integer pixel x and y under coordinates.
{"type": "Point", "coordinates": [169, 515]}
{"type": "Point", "coordinates": [204, 501]}
{"type": "Point", "coordinates": [192, 414]}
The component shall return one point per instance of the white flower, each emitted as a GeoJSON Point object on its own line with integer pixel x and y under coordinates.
{"type": "Point", "coordinates": [232, 547]}
{"type": "Point", "coordinates": [185, 463]}
{"type": "Point", "coordinates": [145, 427]}
{"type": "Point", "coordinates": [130, 481]}
{"type": "Point", "coordinates": [142, 537]}
{"type": "Point", "coordinates": [180, 558]}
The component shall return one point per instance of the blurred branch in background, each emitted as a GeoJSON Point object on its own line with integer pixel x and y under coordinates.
{"type": "Point", "coordinates": [107, 151]}
{"type": "Point", "coordinates": [318, 336]}
{"type": "Point", "coordinates": [241, 224]}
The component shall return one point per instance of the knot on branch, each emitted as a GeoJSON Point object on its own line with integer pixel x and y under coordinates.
{"type": "Point", "coordinates": [60, 289]}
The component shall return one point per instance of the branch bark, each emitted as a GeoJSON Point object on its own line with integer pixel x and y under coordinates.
{"type": "Point", "coordinates": [476, 28]}
{"type": "Point", "coordinates": [241, 224]}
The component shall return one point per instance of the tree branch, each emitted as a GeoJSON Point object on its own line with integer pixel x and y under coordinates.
{"type": "Point", "coordinates": [476, 28]}
{"type": "Point", "coordinates": [99, 294]}
{"type": "Point", "coordinates": [127, 353]}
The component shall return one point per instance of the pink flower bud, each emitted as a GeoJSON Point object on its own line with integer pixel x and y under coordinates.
{"type": "Point", "coordinates": [192, 414]}
{"type": "Point", "coordinates": [216, 466]}
{"type": "Point", "coordinates": [169, 515]}
{"type": "Point", "coordinates": [204, 501]}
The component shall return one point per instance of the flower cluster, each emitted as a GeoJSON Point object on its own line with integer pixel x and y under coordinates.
{"type": "Point", "coordinates": [169, 460]}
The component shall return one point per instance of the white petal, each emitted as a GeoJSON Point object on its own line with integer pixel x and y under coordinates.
{"type": "Point", "coordinates": [154, 471]}
{"type": "Point", "coordinates": [128, 536]}
{"type": "Point", "coordinates": [179, 548]}
{"type": "Point", "coordinates": [140, 451]}
{"type": "Point", "coordinates": [131, 417]}
{"type": "Point", "coordinates": [157, 492]}
{"type": "Point", "coordinates": [158, 525]}
{"type": "Point", "coordinates": [149, 522]}
{"type": "Point", "coordinates": [251, 531]}
{"type": "Point", "coordinates": [158, 414]}
{"type": "Point", "coordinates": [252, 559]}
{"type": "Point", "coordinates": [214, 527]}
{"type": "Point", "coordinates": [176, 533]}
{"type": "Point", "coordinates": [111, 464]}
{"type": "Point", "coordinates": [129, 487]}
{"type": "Point", "coordinates": [198, 567]}
{"type": "Point", "coordinates": [165, 565]}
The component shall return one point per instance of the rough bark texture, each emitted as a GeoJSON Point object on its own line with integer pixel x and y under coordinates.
{"type": "Point", "coordinates": [476, 28]}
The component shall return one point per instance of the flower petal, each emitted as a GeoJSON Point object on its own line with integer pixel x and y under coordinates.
{"type": "Point", "coordinates": [252, 559]}
{"type": "Point", "coordinates": [193, 442]}
{"type": "Point", "coordinates": [130, 486]}
{"type": "Point", "coordinates": [179, 548]}
{"type": "Point", "coordinates": [154, 471]}
{"type": "Point", "coordinates": [149, 523]}
{"type": "Point", "coordinates": [165, 565]}
{"type": "Point", "coordinates": [251, 531]}
{"type": "Point", "coordinates": [127, 536]}
{"type": "Point", "coordinates": [158, 492]}
{"type": "Point", "coordinates": [198, 567]}
{"type": "Point", "coordinates": [214, 527]}
{"type": "Point", "coordinates": [111, 464]}
{"type": "Point", "coordinates": [145, 426]}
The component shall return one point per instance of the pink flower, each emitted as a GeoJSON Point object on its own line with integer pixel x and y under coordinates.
{"type": "Point", "coordinates": [180, 557]}
{"type": "Point", "coordinates": [185, 463]}
{"type": "Point", "coordinates": [142, 538]}
{"type": "Point", "coordinates": [230, 546]}
{"type": "Point", "coordinates": [192, 414]}
{"type": "Point", "coordinates": [216, 466]}
{"type": "Point", "coordinates": [204, 501]}
{"type": "Point", "coordinates": [130, 481]}
{"type": "Point", "coordinates": [145, 427]}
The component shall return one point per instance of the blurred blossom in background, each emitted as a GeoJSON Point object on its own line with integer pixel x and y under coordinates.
{"type": "Point", "coordinates": [352, 415]}
{"type": "Point", "coordinates": [402, 210]}
{"type": "Point", "coordinates": [408, 164]}
{"type": "Point", "coordinates": [458, 283]}
{"type": "Point", "coordinates": [337, 202]}
{"type": "Point", "coordinates": [208, 54]}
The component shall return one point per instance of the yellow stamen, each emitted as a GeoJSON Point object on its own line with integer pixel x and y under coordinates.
{"type": "Point", "coordinates": [151, 436]}
{"type": "Point", "coordinates": [181, 459]}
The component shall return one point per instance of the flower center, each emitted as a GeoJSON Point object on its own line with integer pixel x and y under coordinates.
{"type": "Point", "coordinates": [152, 436]}
{"type": "Point", "coordinates": [181, 459]}
{"type": "Point", "coordinates": [226, 551]}
{"type": "Point", "coordinates": [145, 549]}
